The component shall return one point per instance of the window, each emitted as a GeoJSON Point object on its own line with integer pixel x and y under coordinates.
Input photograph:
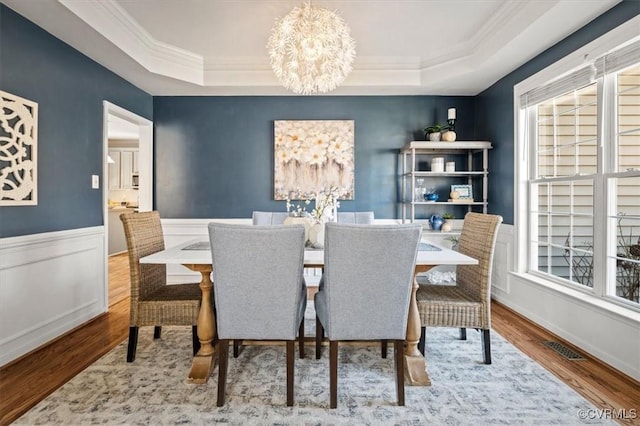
{"type": "Point", "coordinates": [623, 183]}
{"type": "Point", "coordinates": [580, 138]}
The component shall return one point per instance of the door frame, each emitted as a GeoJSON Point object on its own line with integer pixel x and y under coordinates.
{"type": "Point", "coordinates": [145, 171]}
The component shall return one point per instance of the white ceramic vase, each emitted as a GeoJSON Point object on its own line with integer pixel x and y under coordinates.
{"type": "Point", "coordinates": [305, 220]}
{"type": "Point", "coordinates": [434, 137]}
{"type": "Point", "coordinates": [447, 226]}
{"type": "Point", "coordinates": [316, 235]}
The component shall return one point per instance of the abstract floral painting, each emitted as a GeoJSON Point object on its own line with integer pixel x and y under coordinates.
{"type": "Point", "coordinates": [312, 155]}
{"type": "Point", "coordinates": [18, 138]}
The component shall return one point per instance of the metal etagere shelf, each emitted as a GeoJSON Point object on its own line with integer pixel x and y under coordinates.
{"type": "Point", "coordinates": [471, 156]}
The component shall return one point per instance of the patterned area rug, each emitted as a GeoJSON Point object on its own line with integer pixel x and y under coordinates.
{"type": "Point", "coordinates": [153, 389]}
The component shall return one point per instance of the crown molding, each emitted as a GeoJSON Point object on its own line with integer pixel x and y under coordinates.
{"type": "Point", "coordinates": [456, 69]}
{"type": "Point", "coordinates": [111, 21]}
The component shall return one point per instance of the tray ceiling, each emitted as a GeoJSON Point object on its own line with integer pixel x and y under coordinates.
{"type": "Point", "coordinates": [217, 47]}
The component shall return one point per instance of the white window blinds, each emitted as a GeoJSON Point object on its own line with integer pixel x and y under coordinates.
{"type": "Point", "coordinates": [614, 61]}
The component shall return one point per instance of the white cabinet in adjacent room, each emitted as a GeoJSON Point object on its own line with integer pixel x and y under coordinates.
{"type": "Point", "coordinates": [114, 170]}
{"type": "Point", "coordinates": [124, 166]}
{"type": "Point", "coordinates": [126, 169]}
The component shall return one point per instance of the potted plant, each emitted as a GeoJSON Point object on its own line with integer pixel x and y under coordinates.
{"type": "Point", "coordinates": [434, 132]}
{"type": "Point", "coordinates": [447, 226]}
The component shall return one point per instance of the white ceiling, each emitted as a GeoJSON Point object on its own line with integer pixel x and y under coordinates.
{"type": "Point", "coordinates": [217, 47]}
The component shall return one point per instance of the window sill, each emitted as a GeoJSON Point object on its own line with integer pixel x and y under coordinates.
{"type": "Point", "coordinates": [629, 313]}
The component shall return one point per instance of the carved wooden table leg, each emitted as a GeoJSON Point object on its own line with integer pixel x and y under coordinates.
{"type": "Point", "coordinates": [414, 363]}
{"type": "Point", "coordinates": [204, 360]}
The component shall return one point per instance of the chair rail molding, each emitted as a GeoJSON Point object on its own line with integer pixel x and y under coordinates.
{"type": "Point", "coordinates": [63, 268]}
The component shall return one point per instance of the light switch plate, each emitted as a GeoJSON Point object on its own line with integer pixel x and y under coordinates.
{"type": "Point", "coordinates": [95, 182]}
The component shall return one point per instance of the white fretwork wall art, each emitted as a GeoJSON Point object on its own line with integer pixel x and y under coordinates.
{"type": "Point", "coordinates": [18, 143]}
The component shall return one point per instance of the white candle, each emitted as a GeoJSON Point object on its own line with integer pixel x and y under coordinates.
{"type": "Point", "coordinates": [451, 114]}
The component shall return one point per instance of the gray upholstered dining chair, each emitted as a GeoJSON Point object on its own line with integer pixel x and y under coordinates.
{"type": "Point", "coordinates": [268, 218]}
{"type": "Point", "coordinates": [364, 218]}
{"type": "Point", "coordinates": [467, 303]}
{"type": "Point", "coordinates": [260, 293]}
{"type": "Point", "coordinates": [152, 301]}
{"type": "Point", "coordinates": [365, 290]}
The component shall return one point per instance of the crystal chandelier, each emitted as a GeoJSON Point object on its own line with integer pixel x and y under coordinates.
{"type": "Point", "coordinates": [311, 50]}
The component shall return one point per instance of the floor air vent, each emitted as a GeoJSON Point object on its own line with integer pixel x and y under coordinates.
{"type": "Point", "coordinates": [565, 351]}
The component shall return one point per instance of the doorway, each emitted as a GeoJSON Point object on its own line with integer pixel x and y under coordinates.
{"type": "Point", "coordinates": [127, 183]}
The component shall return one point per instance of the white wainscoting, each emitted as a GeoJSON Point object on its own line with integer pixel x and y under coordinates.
{"type": "Point", "coordinates": [604, 330]}
{"type": "Point", "coordinates": [502, 261]}
{"type": "Point", "coordinates": [50, 283]}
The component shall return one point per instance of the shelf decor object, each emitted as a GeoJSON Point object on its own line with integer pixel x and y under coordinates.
{"type": "Point", "coordinates": [311, 50]}
{"type": "Point", "coordinates": [450, 134]}
{"type": "Point", "coordinates": [464, 191]}
{"type": "Point", "coordinates": [311, 156]}
{"type": "Point", "coordinates": [18, 143]}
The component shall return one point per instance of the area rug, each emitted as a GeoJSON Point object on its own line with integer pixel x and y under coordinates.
{"type": "Point", "coordinates": [153, 390]}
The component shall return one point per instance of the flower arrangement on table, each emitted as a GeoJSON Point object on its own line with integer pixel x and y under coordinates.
{"type": "Point", "coordinates": [325, 210]}
{"type": "Point", "coordinates": [297, 209]}
{"type": "Point", "coordinates": [325, 207]}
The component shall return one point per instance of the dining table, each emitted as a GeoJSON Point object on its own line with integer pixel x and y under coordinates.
{"type": "Point", "coordinates": [195, 254]}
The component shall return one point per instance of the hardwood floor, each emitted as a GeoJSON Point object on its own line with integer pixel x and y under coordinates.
{"type": "Point", "coordinates": [26, 381]}
{"type": "Point", "coordinates": [119, 288]}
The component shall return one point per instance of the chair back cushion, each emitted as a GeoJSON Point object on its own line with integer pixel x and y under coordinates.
{"type": "Point", "coordinates": [364, 218]}
{"type": "Point", "coordinates": [368, 277]}
{"type": "Point", "coordinates": [143, 232]}
{"type": "Point", "coordinates": [258, 285]}
{"type": "Point", "coordinates": [268, 218]}
{"type": "Point", "coordinates": [478, 240]}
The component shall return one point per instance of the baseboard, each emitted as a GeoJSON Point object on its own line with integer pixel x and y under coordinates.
{"type": "Point", "coordinates": [610, 338]}
{"type": "Point", "coordinates": [50, 283]}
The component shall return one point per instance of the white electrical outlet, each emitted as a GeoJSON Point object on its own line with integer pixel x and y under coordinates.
{"type": "Point", "coordinates": [95, 182]}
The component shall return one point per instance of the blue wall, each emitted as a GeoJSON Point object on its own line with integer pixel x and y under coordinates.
{"type": "Point", "coordinates": [214, 155]}
{"type": "Point", "coordinates": [494, 106]}
{"type": "Point", "coordinates": [69, 89]}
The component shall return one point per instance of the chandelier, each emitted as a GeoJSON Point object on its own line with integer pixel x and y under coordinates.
{"type": "Point", "coordinates": [311, 50]}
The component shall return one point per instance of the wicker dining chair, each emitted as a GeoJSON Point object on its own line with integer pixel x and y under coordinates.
{"type": "Point", "coordinates": [260, 289]}
{"type": "Point", "coordinates": [153, 302]}
{"type": "Point", "coordinates": [467, 304]}
{"type": "Point", "coordinates": [365, 291]}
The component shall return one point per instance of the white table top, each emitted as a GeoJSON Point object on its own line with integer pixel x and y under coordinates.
{"type": "Point", "coordinates": [177, 255]}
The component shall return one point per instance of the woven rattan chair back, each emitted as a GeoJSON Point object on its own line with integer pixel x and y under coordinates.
{"type": "Point", "coordinates": [478, 240]}
{"type": "Point", "coordinates": [153, 302]}
{"type": "Point", "coordinates": [467, 304]}
{"type": "Point", "coordinates": [143, 233]}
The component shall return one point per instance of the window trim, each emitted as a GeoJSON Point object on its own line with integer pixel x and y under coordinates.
{"type": "Point", "coordinates": [523, 152]}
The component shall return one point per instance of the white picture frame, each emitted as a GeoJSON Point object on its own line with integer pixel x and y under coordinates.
{"type": "Point", "coordinates": [465, 191]}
